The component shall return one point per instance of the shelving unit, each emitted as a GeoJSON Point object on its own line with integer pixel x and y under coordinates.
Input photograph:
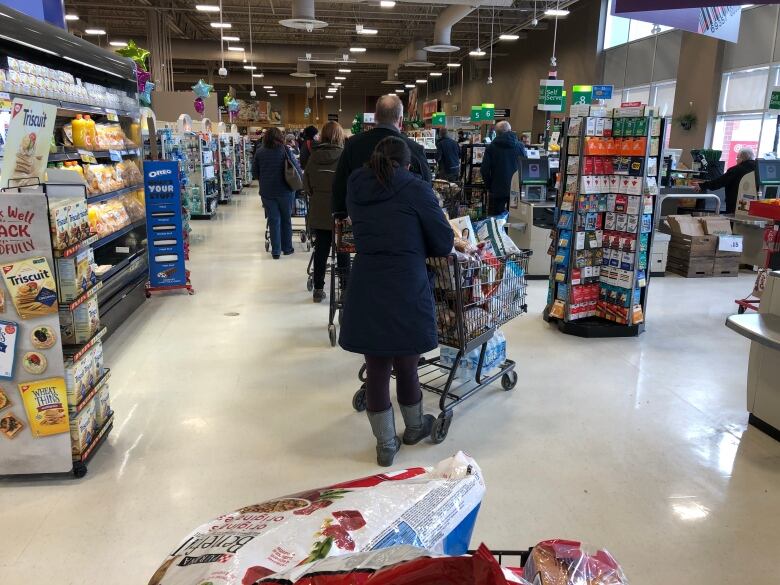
{"type": "Point", "coordinates": [227, 168]}
{"type": "Point", "coordinates": [474, 190]}
{"type": "Point", "coordinates": [248, 154]}
{"type": "Point", "coordinates": [600, 276]}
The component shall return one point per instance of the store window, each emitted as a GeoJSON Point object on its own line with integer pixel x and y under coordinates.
{"type": "Point", "coordinates": [735, 132]}
{"type": "Point", "coordinates": [744, 90]}
{"type": "Point", "coordinates": [619, 31]}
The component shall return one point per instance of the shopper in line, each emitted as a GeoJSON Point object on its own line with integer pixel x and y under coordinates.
{"type": "Point", "coordinates": [731, 178]}
{"type": "Point", "coordinates": [318, 181]}
{"type": "Point", "coordinates": [447, 157]}
{"type": "Point", "coordinates": [389, 309]}
{"type": "Point", "coordinates": [292, 144]}
{"type": "Point", "coordinates": [308, 141]}
{"type": "Point", "coordinates": [499, 165]}
{"type": "Point", "coordinates": [389, 117]}
{"type": "Point", "coordinates": [268, 166]}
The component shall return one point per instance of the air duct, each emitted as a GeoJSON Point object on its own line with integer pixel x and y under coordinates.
{"type": "Point", "coordinates": [303, 17]}
{"type": "Point", "coordinates": [392, 73]}
{"type": "Point", "coordinates": [442, 32]}
{"type": "Point", "coordinates": [303, 69]}
{"type": "Point", "coordinates": [418, 58]}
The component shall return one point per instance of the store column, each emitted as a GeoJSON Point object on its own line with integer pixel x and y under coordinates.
{"type": "Point", "coordinates": [698, 81]}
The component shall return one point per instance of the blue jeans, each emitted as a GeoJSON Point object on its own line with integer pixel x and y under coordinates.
{"type": "Point", "coordinates": [278, 210]}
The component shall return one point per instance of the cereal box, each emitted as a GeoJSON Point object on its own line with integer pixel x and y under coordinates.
{"type": "Point", "coordinates": [102, 407]}
{"type": "Point", "coordinates": [82, 429]}
{"type": "Point", "coordinates": [47, 406]}
{"type": "Point", "coordinates": [31, 286]}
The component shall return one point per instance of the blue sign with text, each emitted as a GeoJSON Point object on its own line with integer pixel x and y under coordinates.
{"type": "Point", "coordinates": [165, 235]}
{"type": "Point", "coordinates": [602, 92]}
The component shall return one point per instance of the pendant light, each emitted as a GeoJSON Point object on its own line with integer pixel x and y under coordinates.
{"type": "Point", "coordinates": [222, 71]}
{"type": "Point", "coordinates": [252, 93]}
{"type": "Point", "coordinates": [492, 40]}
{"type": "Point", "coordinates": [477, 52]}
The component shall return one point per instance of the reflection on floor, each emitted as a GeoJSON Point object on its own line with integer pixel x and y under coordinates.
{"type": "Point", "coordinates": [234, 396]}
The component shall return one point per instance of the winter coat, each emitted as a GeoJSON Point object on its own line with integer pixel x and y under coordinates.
{"type": "Point", "coordinates": [305, 149]}
{"type": "Point", "coordinates": [358, 150]}
{"type": "Point", "coordinates": [500, 163]}
{"type": "Point", "coordinates": [730, 181]}
{"type": "Point", "coordinates": [318, 182]}
{"type": "Point", "coordinates": [448, 155]}
{"type": "Point", "coordinates": [268, 169]}
{"type": "Point", "coordinates": [389, 307]}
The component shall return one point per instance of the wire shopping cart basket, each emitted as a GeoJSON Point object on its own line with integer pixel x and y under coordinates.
{"type": "Point", "coordinates": [474, 297]}
{"type": "Point", "coordinates": [299, 212]}
{"type": "Point", "coordinates": [340, 265]}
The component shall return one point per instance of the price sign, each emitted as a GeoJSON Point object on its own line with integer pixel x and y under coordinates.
{"type": "Point", "coordinates": [87, 156]}
{"type": "Point", "coordinates": [730, 243]}
{"type": "Point", "coordinates": [111, 115]}
{"type": "Point", "coordinates": [115, 155]}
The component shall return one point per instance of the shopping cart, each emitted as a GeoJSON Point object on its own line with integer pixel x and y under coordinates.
{"type": "Point", "coordinates": [474, 297]}
{"type": "Point", "coordinates": [300, 212]}
{"type": "Point", "coordinates": [344, 243]}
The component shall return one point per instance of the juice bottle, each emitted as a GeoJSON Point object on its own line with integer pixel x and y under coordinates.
{"type": "Point", "coordinates": [91, 132]}
{"type": "Point", "coordinates": [79, 131]}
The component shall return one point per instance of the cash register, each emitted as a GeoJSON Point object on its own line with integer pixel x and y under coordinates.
{"type": "Point", "coordinates": [532, 213]}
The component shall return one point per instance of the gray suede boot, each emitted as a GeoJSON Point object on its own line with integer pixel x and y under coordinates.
{"type": "Point", "coordinates": [387, 443]}
{"type": "Point", "coordinates": [418, 426]}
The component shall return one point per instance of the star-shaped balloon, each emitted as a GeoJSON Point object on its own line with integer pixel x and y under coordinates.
{"type": "Point", "coordinates": [226, 99]}
{"type": "Point", "coordinates": [233, 105]}
{"type": "Point", "coordinates": [135, 53]}
{"type": "Point", "coordinates": [145, 97]}
{"type": "Point", "coordinates": [202, 89]}
{"type": "Point", "coordinates": [142, 77]}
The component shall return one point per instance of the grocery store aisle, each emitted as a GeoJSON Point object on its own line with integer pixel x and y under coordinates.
{"type": "Point", "coordinates": [234, 396]}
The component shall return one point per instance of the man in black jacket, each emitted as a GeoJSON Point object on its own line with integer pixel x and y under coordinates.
{"type": "Point", "coordinates": [499, 165]}
{"type": "Point", "coordinates": [731, 178]}
{"type": "Point", "coordinates": [447, 157]}
{"type": "Point", "coordinates": [389, 117]}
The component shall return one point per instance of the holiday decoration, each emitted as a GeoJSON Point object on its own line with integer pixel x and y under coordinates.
{"type": "Point", "coordinates": [142, 77]}
{"type": "Point", "coordinates": [202, 89]}
{"type": "Point", "coordinates": [145, 96]}
{"type": "Point", "coordinates": [134, 52]}
{"type": "Point", "coordinates": [199, 105]}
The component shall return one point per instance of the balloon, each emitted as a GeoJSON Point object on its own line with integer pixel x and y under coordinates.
{"type": "Point", "coordinates": [135, 53]}
{"type": "Point", "coordinates": [202, 89]}
{"type": "Point", "coordinates": [199, 105]}
{"type": "Point", "coordinates": [233, 105]}
{"type": "Point", "coordinates": [142, 77]}
{"type": "Point", "coordinates": [145, 96]}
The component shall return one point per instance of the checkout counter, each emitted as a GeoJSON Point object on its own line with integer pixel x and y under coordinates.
{"type": "Point", "coordinates": [763, 378]}
{"type": "Point", "coordinates": [532, 212]}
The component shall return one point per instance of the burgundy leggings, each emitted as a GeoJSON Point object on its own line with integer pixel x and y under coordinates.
{"type": "Point", "coordinates": [407, 384]}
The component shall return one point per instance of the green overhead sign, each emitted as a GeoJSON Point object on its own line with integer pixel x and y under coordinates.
{"type": "Point", "coordinates": [439, 119]}
{"type": "Point", "coordinates": [774, 100]}
{"type": "Point", "coordinates": [489, 112]}
{"type": "Point", "coordinates": [551, 95]}
{"type": "Point", "coordinates": [582, 94]}
{"type": "Point", "coordinates": [476, 113]}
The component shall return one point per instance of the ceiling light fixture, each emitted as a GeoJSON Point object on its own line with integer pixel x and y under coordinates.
{"type": "Point", "coordinates": [508, 37]}
{"type": "Point", "coordinates": [328, 97]}
{"type": "Point", "coordinates": [118, 44]}
{"type": "Point", "coordinates": [335, 83]}
{"type": "Point", "coordinates": [250, 67]}
{"type": "Point", "coordinates": [409, 86]}
{"type": "Point", "coordinates": [345, 70]}
{"type": "Point", "coordinates": [228, 39]}
{"type": "Point", "coordinates": [400, 90]}
{"type": "Point", "coordinates": [453, 64]}
{"type": "Point", "coordinates": [268, 87]}
{"type": "Point", "coordinates": [556, 12]}
{"type": "Point", "coordinates": [71, 17]}
{"type": "Point", "coordinates": [236, 49]}
{"type": "Point", "coordinates": [339, 78]}
{"type": "Point", "coordinates": [361, 30]}
{"type": "Point", "coordinates": [259, 75]}
{"type": "Point", "coordinates": [421, 81]}
{"type": "Point", "coordinates": [222, 70]}
{"type": "Point", "coordinates": [477, 53]}
{"type": "Point", "coordinates": [357, 49]}
{"type": "Point", "coordinates": [94, 31]}
{"type": "Point", "coordinates": [435, 74]}
{"type": "Point", "coordinates": [387, 4]}
{"type": "Point", "coordinates": [221, 25]}
{"type": "Point", "coordinates": [206, 8]}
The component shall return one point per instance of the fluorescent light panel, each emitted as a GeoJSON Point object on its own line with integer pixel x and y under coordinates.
{"type": "Point", "coordinates": [367, 31]}
{"type": "Point", "coordinates": [409, 86]}
{"type": "Point", "coordinates": [258, 74]}
{"type": "Point", "coordinates": [268, 87]}
{"type": "Point", "coordinates": [237, 49]}
{"type": "Point", "coordinates": [250, 67]}
{"type": "Point", "coordinates": [230, 39]}
{"type": "Point", "coordinates": [221, 25]}
{"type": "Point", "coordinates": [421, 81]}
{"type": "Point", "coordinates": [118, 44]}
{"type": "Point", "coordinates": [477, 53]}
{"type": "Point", "coordinates": [71, 17]}
{"type": "Point", "coordinates": [508, 37]}
{"type": "Point", "coordinates": [94, 31]}
{"type": "Point", "coordinates": [453, 64]}
{"type": "Point", "coordinates": [339, 78]}
{"type": "Point", "coordinates": [345, 70]}
{"type": "Point", "coordinates": [435, 74]}
{"type": "Point", "coordinates": [206, 8]}
{"type": "Point", "coordinates": [556, 12]}
{"type": "Point", "coordinates": [328, 97]}
{"type": "Point", "coordinates": [357, 49]}
{"type": "Point", "coordinates": [387, 3]}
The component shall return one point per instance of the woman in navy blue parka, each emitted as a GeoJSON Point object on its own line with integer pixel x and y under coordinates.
{"type": "Point", "coordinates": [389, 314]}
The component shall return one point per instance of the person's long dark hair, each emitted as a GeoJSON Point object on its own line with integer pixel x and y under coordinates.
{"type": "Point", "coordinates": [273, 138]}
{"type": "Point", "coordinates": [390, 154]}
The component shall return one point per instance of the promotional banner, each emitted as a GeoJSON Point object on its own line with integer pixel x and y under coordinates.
{"type": "Point", "coordinates": [34, 422]}
{"type": "Point", "coordinates": [164, 224]}
{"type": "Point", "coordinates": [27, 143]}
{"type": "Point", "coordinates": [429, 108]}
{"type": "Point", "coordinates": [602, 92]}
{"type": "Point", "coordinates": [720, 22]}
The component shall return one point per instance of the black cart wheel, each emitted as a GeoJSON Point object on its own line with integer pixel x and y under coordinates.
{"type": "Point", "coordinates": [362, 373]}
{"type": "Point", "coordinates": [310, 284]}
{"type": "Point", "coordinates": [332, 334]}
{"type": "Point", "coordinates": [267, 245]}
{"type": "Point", "coordinates": [303, 237]}
{"type": "Point", "coordinates": [509, 380]}
{"type": "Point", "coordinates": [79, 469]}
{"type": "Point", "coordinates": [441, 427]}
{"type": "Point", "coordinates": [741, 310]}
{"type": "Point", "coordinates": [359, 399]}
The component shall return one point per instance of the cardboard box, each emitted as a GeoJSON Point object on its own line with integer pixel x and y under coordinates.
{"type": "Point", "coordinates": [691, 267]}
{"type": "Point", "coordinates": [693, 246]}
{"type": "Point", "coordinates": [686, 225]}
{"type": "Point", "coordinates": [715, 226]}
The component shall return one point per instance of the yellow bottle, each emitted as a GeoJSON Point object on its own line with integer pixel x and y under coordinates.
{"type": "Point", "coordinates": [91, 132]}
{"type": "Point", "coordinates": [79, 131]}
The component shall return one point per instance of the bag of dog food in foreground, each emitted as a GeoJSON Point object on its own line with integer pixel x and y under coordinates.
{"type": "Point", "coordinates": [431, 508]}
{"type": "Point", "coordinates": [568, 562]}
{"type": "Point", "coordinates": [400, 564]}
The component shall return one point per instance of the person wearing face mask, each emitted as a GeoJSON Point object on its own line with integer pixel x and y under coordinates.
{"type": "Point", "coordinates": [389, 312]}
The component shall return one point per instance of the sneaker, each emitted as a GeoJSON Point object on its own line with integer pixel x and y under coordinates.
{"type": "Point", "coordinates": [319, 295]}
{"type": "Point", "coordinates": [289, 252]}
{"type": "Point", "coordinates": [275, 256]}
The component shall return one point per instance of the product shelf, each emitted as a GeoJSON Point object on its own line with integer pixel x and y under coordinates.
{"type": "Point", "coordinates": [91, 394]}
{"type": "Point", "coordinates": [120, 266]}
{"type": "Point", "coordinates": [74, 107]}
{"type": "Point", "coordinates": [89, 293]}
{"type": "Point", "coordinates": [119, 233]}
{"type": "Point", "coordinates": [111, 194]}
{"type": "Point", "coordinates": [78, 154]}
{"type": "Point", "coordinates": [85, 455]}
{"type": "Point", "coordinates": [73, 353]}
{"type": "Point", "coordinates": [76, 248]}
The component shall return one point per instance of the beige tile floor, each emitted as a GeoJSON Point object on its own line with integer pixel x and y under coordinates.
{"type": "Point", "coordinates": [639, 445]}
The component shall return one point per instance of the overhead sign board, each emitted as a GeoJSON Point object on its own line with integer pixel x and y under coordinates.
{"type": "Point", "coordinates": [551, 95]}
{"type": "Point", "coordinates": [720, 22]}
{"type": "Point", "coordinates": [582, 94]}
{"type": "Point", "coordinates": [602, 92]}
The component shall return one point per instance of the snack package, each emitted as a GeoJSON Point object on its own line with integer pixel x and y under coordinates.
{"type": "Point", "coordinates": [9, 332]}
{"type": "Point", "coordinates": [46, 404]}
{"type": "Point", "coordinates": [433, 508]}
{"type": "Point", "coordinates": [82, 429]}
{"type": "Point", "coordinates": [399, 564]}
{"type": "Point", "coordinates": [566, 562]}
{"type": "Point", "coordinates": [59, 218]}
{"type": "Point", "coordinates": [464, 229]}
{"type": "Point", "coordinates": [76, 382]}
{"type": "Point", "coordinates": [32, 288]}
{"type": "Point", "coordinates": [80, 325]}
{"type": "Point", "coordinates": [102, 407]}
{"type": "Point", "coordinates": [74, 274]}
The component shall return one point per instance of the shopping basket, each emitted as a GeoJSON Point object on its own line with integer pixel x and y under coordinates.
{"type": "Point", "coordinates": [474, 296]}
{"type": "Point", "coordinates": [300, 212]}
{"type": "Point", "coordinates": [340, 266]}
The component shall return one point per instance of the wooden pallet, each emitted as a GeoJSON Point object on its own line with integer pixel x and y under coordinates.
{"type": "Point", "coordinates": [691, 267]}
{"type": "Point", "coordinates": [727, 266]}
